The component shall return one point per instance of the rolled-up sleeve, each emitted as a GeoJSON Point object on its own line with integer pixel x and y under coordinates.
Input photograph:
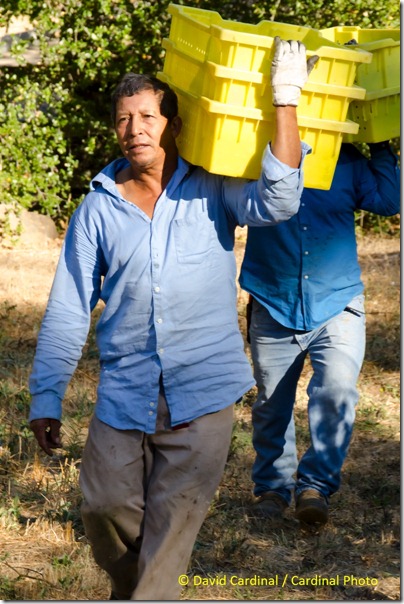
{"type": "Point", "coordinates": [273, 198]}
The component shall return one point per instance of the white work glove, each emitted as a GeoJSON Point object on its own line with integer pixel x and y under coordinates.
{"type": "Point", "coordinates": [290, 71]}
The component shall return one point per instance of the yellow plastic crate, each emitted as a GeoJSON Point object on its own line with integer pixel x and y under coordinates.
{"type": "Point", "coordinates": [205, 36]}
{"type": "Point", "coordinates": [378, 115]}
{"type": "Point", "coordinates": [230, 140]}
{"type": "Point", "coordinates": [251, 88]}
{"type": "Point", "coordinates": [342, 34]}
{"type": "Point", "coordinates": [378, 119]}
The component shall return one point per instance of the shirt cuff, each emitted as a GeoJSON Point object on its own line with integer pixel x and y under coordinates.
{"type": "Point", "coordinates": [46, 405]}
{"type": "Point", "coordinates": [275, 169]}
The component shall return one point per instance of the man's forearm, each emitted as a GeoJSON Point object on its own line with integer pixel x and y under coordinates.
{"type": "Point", "coordinates": [286, 144]}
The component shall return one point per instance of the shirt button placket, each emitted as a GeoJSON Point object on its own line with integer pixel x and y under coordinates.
{"type": "Point", "coordinates": [157, 305]}
{"type": "Point", "coordinates": [305, 252]}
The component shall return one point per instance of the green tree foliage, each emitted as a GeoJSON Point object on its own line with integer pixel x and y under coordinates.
{"type": "Point", "coordinates": [54, 128]}
{"type": "Point", "coordinates": [54, 124]}
{"type": "Point", "coordinates": [32, 139]}
{"type": "Point", "coordinates": [322, 13]}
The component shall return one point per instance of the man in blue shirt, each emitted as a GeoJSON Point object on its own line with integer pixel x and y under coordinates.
{"type": "Point", "coordinates": [154, 241]}
{"type": "Point", "coordinates": [307, 298]}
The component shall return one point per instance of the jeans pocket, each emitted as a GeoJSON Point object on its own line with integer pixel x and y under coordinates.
{"type": "Point", "coordinates": [356, 306]}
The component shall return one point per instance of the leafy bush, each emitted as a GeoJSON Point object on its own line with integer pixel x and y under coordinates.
{"type": "Point", "coordinates": [36, 164]}
{"type": "Point", "coordinates": [54, 129]}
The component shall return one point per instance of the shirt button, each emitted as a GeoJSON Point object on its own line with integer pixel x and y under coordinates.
{"type": "Point", "coordinates": [303, 204]}
{"type": "Point", "coordinates": [306, 253]}
{"type": "Point", "coordinates": [161, 350]}
{"type": "Point", "coordinates": [159, 320]}
{"type": "Point", "coordinates": [151, 404]}
{"type": "Point", "coordinates": [150, 412]}
{"type": "Point", "coordinates": [157, 289]}
{"type": "Point", "coordinates": [304, 228]}
{"type": "Point", "coordinates": [156, 265]}
{"type": "Point", "coordinates": [306, 276]}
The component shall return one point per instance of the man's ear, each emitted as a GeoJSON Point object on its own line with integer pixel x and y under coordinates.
{"type": "Point", "coordinates": [176, 125]}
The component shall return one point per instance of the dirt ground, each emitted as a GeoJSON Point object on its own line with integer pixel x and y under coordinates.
{"type": "Point", "coordinates": [27, 270]}
{"type": "Point", "coordinates": [366, 543]}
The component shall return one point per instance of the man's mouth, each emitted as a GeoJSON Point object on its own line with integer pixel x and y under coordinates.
{"type": "Point", "coordinates": [137, 147]}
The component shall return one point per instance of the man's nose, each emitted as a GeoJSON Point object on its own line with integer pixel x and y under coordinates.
{"type": "Point", "coordinates": [134, 126]}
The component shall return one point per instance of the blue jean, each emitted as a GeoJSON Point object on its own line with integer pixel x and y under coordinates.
{"type": "Point", "coordinates": [336, 351]}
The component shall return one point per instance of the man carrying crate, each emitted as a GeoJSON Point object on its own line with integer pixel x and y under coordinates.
{"type": "Point", "coordinates": [154, 240]}
{"type": "Point", "coordinates": [307, 301]}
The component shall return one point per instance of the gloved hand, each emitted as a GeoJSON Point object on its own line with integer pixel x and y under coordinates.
{"type": "Point", "coordinates": [289, 71]}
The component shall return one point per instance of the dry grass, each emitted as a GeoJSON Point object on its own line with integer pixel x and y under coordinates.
{"type": "Point", "coordinates": [44, 554]}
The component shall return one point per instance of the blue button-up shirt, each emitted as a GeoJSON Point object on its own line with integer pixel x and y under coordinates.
{"type": "Point", "coordinates": [306, 270]}
{"type": "Point", "coordinates": [168, 284]}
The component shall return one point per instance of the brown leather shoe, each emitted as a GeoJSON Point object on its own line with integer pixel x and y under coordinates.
{"type": "Point", "coordinates": [269, 505]}
{"type": "Point", "coordinates": [311, 507]}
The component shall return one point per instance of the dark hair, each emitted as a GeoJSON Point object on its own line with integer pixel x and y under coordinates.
{"type": "Point", "coordinates": [133, 83]}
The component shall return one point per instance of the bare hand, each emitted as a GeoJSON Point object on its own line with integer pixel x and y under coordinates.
{"type": "Point", "coordinates": [47, 433]}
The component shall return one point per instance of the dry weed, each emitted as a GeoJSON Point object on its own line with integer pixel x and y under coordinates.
{"type": "Point", "coordinates": [44, 553]}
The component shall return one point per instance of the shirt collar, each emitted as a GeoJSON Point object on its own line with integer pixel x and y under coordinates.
{"type": "Point", "coordinates": [106, 178]}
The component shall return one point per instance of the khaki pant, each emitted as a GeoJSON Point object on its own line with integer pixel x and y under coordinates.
{"type": "Point", "coordinates": [146, 496]}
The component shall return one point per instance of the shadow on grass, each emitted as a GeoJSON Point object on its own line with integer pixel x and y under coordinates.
{"type": "Point", "coordinates": [383, 344]}
{"type": "Point", "coordinates": [361, 538]}
{"type": "Point", "coordinates": [360, 541]}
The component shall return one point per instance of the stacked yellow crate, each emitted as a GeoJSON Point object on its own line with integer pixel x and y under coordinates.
{"type": "Point", "coordinates": [220, 71]}
{"type": "Point", "coordinates": [378, 114]}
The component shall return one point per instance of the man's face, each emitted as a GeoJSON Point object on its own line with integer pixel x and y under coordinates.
{"type": "Point", "coordinates": [144, 135]}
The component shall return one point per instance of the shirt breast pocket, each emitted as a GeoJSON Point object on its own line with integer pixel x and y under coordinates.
{"type": "Point", "coordinates": [195, 239]}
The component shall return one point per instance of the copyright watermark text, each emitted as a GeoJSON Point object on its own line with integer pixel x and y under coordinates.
{"type": "Point", "coordinates": [277, 581]}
